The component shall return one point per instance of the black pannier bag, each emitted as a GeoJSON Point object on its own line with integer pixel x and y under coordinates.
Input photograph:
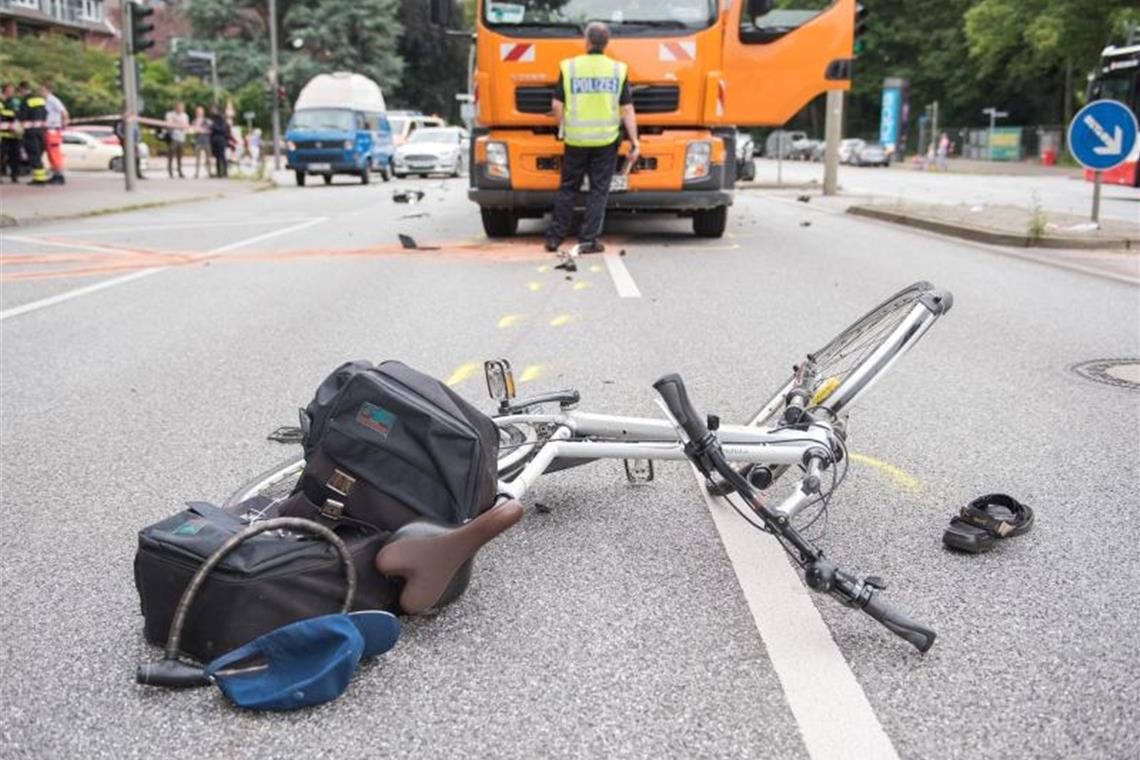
{"type": "Point", "coordinates": [267, 582]}
{"type": "Point", "coordinates": [385, 445]}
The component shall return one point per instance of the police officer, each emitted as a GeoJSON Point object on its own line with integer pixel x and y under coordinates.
{"type": "Point", "coordinates": [34, 109]}
{"type": "Point", "coordinates": [9, 142]}
{"type": "Point", "coordinates": [591, 103]}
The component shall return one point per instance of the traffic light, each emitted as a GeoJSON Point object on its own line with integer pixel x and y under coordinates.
{"type": "Point", "coordinates": [140, 29]}
{"type": "Point", "coordinates": [119, 72]}
{"type": "Point", "coordinates": [861, 13]}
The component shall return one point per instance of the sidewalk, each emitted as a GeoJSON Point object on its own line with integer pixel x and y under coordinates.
{"type": "Point", "coordinates": [97, 193]}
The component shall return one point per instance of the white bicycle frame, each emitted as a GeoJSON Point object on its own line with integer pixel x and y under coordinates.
{"type": "Point", "coordinates": [657, 439]}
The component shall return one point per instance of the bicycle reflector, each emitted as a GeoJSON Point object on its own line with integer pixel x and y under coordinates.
{"type": "Point", "coordinates": [500, 379]}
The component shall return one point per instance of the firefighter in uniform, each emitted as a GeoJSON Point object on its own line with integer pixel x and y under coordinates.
{"type": "Point", "coordinates": [9, 142]}
{"type": "Point", "coordinates": [34, 109]}
{"type": "Point", "coordinates": [591, 103]}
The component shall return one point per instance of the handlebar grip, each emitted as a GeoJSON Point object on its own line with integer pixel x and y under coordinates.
{"type": "Point", "coordinates": [899, 624]}
{"type": "Point", "coordinates": [173, 673]}
{"type": "Point", "coordinates": [672, 390]}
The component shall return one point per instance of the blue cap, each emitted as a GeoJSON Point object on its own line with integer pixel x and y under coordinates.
{"type": "Point", "coordinates": [303, 663]}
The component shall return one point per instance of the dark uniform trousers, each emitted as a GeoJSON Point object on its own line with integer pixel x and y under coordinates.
{"type": "Point", "coordinates": [598, 164]}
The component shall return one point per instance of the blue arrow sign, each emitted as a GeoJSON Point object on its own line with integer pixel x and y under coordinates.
{"type": "Point", "coordinates": [1102, 135]}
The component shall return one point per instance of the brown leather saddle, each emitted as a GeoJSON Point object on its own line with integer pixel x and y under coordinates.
{"type": "Point", "coordinates": [435, 560]}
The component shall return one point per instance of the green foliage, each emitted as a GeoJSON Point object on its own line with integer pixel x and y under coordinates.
{"type": "Point", "coordinates": [436, 63]}
{"type": "Point", "coordinates": [82, 77]}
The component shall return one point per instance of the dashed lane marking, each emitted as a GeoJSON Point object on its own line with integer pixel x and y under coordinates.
{"type": "Point", "coordinates": [463, 372]}
{"type": "Point", "coordinates": [904, 480]}
{"type": "Point", "coordinates": [581, 285]}
{"type": "Point", "coordinates": [596, 268]}
{"type": "Point", "coordinates": [532, 372]}
{"type": "Point", "coordinates": [562, 320]}
{"type": "Point", "coordinates": [43, 303]}
{"type": "Point", "coordinates": [623, 281]}
{"type": "Point", "coordinates": [510, 320]}
{"type": "Point", "coordinates": [534, 286]}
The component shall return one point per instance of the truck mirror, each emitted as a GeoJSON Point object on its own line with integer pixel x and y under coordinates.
{"type": "Point", "coordinates": [441, 12]}
{"type": "Point", "coordinates": [758, 8]}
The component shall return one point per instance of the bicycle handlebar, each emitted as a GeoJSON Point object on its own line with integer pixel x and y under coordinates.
{"type": "Point", "coordinates": [821, 574]}
{"type": "Point", "coordinates": [898, 623]}
{"type": "Point", "coordinates": [672, 390]}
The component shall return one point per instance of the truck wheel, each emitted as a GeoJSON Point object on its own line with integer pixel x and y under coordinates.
{"type": "Point", "coordinates": [710, 222]}
{"type": "Point", "coordinates": [748, 171]}
{"type": "Point", "coordinates": [300, 179]}
{"type": "Point", "coordinates": [365, 175]}
{"type": "Point", "coordinates": [499, 222]}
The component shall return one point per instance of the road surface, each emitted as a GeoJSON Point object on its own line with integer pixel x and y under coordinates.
{"type": "Point", "coordinates": [146, 356]}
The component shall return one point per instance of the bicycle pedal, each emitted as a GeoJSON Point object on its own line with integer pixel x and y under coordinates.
{"type": "Point", "coordinates": [638, 471]}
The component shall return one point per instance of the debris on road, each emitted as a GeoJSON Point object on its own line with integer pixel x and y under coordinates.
{"type": "Point", "coordinates": [568, 264]}
{"type": "Point", "coordinates": [621, 252]}
{"type": "Point", "coordinates": [285, 434]}
{"type": "Point", "coordinates": [415, 216]}
{"type": "Point", "coordinates": [803, 198]}
{"type": "Point", "coordinates": [410, 243]}
{"type": "Point", "coordinates": [407, 196]}
{"type": "Point", "coordinates": [805, 224]}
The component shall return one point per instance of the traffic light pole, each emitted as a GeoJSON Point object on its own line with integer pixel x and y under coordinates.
{"type": "Point", "coordinates": [130, 101]}
{"type": "Point", "coordinates": [273, 83]}
{"type": "Point", "coordinates": [833, 133]}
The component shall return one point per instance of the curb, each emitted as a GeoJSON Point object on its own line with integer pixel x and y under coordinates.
{"type": "Point", "coordinates": [7, 221]}
{"type": "Point", "coordinates": [981, 235]}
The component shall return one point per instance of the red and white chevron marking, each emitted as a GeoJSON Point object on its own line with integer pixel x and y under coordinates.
{"type": "Point", "coordinates": [685, 50]}
{"type": "Point", "coordinates": [520, 52]}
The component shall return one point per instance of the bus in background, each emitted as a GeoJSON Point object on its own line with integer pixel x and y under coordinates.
{"type": "Point", "coordinates": [698, 70]}
{"type": "Point", "coordinates": [1118, 78]}
{"type": "Point", "coordinates": [339, 126]}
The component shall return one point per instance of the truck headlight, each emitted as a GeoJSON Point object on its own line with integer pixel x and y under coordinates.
{"type": "Point", "coordinates": [348, 144]}
{"type": "Point", "coordinates": [291, 145]}
{"type": "Point", "coordinates": [498, 164]}
{"type": "Point", "coordinates": [698, 157]}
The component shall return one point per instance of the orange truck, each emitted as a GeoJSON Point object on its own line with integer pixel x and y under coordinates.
{"type": "Point", "coordinates": [698, 70]}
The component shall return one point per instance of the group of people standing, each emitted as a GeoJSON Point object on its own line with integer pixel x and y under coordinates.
{"type": "Point", "coordinates": [214, 136]}
{"type": "Point", "coordinates": [35, 122]}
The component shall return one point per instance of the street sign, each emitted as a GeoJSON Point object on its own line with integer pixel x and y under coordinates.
{"type": "Point", "coordinates": [1102, 135]}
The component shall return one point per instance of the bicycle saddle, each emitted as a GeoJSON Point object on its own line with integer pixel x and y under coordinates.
{"type": "Point", "coordinates": [435, 560]}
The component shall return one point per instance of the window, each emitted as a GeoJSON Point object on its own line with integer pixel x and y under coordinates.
{"type": "Point", "coordinates": [93, 10]}
{"type": "Point", "coordinates": [785, 16]}
{"type": "Point", "coordinates": [33, 4]}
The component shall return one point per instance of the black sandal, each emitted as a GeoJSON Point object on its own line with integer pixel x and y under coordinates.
{"type": "Point", "coordinates": [985, 520]}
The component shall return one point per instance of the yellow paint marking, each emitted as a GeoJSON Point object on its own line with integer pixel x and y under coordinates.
{"type": "Point", "coordinates": [562, 320]}
{"type": "Point", "coordinates": [534, 286]}
{"type": "Point", "coordinates": [902, 479]}
{"type": "Point", "coordinates": [533, 372]}
{"type": "Point", "coordinates": [596, 268]}
{"type": "Point", "coordinates": [510, 320]}
{"type": "Point", "coordinates": [463, 372]}
{"type": "Point", "coordinates": [581, 285]}
{"type": "Point", "coordinates": [542, 269]}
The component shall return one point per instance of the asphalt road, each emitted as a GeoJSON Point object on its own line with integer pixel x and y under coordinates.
{"type": "Point", "coordinates": [613, 624]}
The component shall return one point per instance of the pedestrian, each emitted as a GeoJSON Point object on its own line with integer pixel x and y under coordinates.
{"type": "Point", "coordinates": [9, 135]}
{"type": "Point", "coordinates": [57, 118]}
{"type": "Point", "coordinates": [219, 141]}
{"type": "Point", "coordinates": [201, 142]}
{"type": "Point", "coordinates": [943, 151]}
{"type": "Point", "coordinates": [177, 122]}
{"type": "Point", "coordinates": [33, 109]}
{"type": "Point", "coordinates": [237, 144]}
{"type": "Point", "coordinates": [591, 103]}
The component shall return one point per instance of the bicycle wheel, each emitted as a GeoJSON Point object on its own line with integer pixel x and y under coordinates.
{"type": "Point", "coordinates": [833, 366]}
{"type": "Point", "coordinates": [515, 447]}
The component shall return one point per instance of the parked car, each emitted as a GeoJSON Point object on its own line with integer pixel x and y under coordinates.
{"type": "Point", "coordinates": [107, 136]}
{"type": "Point", "coordinates": [782, 142]}
{"type": "Point", "coordinates": [745, 163]}
{"type": "Point", "coordinates": [404, 123]}
{"type": "Point", "coordinates": [339, 126]}
{"type": "Point", "coordinates": [85, 151]}
{"type": "Point", "coordinates": [849, 148]}
{"type": "Point", "coordinates": [806, 149]}
{"type": "Point", "coordinates": [872, 154]}
{"type": "Point", "coordinates": [432, 150]}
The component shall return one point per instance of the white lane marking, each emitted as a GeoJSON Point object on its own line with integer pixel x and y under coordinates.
{"type": "Point", "coordinates": [43, 303]}
{"type": "Point", "coordinates": [186, 225]}
{"type": "Point", "coordinates": [76, 246]}
{"type": "Point", "coordinates": [624, 283]}
{"type": "Point", "coordinates": [834, 717]}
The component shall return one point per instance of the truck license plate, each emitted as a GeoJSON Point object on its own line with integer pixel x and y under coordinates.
{"type": "Point", "coordinates": [319, 167]}
{"type": "Point", "coordinates": [619, 183]}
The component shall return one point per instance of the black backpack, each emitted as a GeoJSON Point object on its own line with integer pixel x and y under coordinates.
{"type": "Point", "coordinates": [385, 445]}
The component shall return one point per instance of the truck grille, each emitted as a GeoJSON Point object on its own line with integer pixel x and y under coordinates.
{"type": "Point", "coordinates": [318, 144]}
{"type": "Point", "coordinates": [647, 98]}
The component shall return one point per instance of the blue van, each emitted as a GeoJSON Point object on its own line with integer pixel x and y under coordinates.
{"type": "Point", "coordinates": [339, 126]}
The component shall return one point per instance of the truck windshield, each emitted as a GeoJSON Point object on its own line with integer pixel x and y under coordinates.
{"type": "Point", "coordinates": [624, 17]}
{"type": "Point", "coordinates": [323, 118]}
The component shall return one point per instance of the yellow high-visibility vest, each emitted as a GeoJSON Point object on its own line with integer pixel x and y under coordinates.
{"type": "Point", "coordinates": [592, 86]}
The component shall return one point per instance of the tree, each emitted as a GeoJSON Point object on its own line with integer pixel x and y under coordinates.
{"type": "Point", "coordinates": [435, 62]}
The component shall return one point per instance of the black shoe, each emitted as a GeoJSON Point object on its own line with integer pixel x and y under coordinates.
{"type": "Point", "coordinates": [592, 246]}
{"type": "Point", "coordinates": [551, 245]}
{"type": "Point", "coordinates": [57, 179]}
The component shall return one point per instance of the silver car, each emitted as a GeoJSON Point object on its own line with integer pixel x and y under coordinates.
{"type": "Point", "coordinates": [431, 150]}
{"type": "Point", "coordinates": [872, 154]}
